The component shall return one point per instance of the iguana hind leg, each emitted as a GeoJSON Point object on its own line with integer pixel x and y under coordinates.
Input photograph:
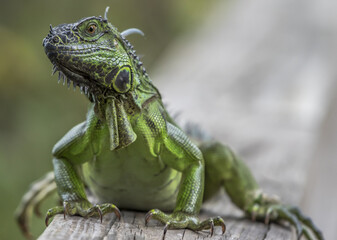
{"type": "Point", "coordinates": [224, 169]}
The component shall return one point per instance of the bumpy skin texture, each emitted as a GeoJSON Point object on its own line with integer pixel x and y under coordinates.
{"type": "Point", "coordinates": [130, 153]}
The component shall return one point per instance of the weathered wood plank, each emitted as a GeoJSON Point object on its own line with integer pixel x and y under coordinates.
{"type": "Point", "coordinates": [132, 227]}
{"type": "Point", "coordinates": [78, 228]}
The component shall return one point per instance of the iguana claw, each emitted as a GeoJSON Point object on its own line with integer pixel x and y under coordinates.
{"type": "Point", "coordinates": [165, 230]}
{"type": "Point", "coordinates": [82, 208]}
{"type": "Point", "coordinates": [179, 220]}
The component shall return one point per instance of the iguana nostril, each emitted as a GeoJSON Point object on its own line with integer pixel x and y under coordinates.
{"type": "Point", "coordinates": [56, 39]}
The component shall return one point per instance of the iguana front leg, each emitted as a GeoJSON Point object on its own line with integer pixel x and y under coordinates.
{"type": "Point", "coordinates": [74, 149]}
{"type": "Point", "coordinates": [224, 169]}
{"type": "Point", "coordinates": [72, 192]}
{"type": "Point", "coordinates": [188, 160]}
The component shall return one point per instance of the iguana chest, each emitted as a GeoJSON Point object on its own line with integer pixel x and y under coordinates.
{"type": "Point", "coordinates": [132, 178]}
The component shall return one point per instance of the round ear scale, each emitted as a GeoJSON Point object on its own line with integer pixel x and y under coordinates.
{"type": "Point", "coordinates": [123, 80]}
{"type": "Point", "coordinates": [120, 79]}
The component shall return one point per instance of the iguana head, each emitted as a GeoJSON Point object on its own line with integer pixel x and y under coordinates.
{"type": "Point", "coordinates": [94, 56]}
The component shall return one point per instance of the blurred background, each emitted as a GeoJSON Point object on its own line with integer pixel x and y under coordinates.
{"type": "Point", "coordinates": [247, 48]}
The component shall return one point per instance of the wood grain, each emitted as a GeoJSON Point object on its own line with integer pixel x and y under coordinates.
{"type": "Point", "coordinates": [132, 227]}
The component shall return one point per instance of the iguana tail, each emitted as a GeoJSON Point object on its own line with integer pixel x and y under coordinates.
{"type": "Point", "coordinates": [31, 201]}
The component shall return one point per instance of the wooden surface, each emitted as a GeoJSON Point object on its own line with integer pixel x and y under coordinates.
{"type": "Point", "coordinates": [132, 227]}
{"type": "Point", "coordinates": [259, 76]}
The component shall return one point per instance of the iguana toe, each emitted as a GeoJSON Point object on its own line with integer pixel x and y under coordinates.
{"type": "Point", "coordinates": [82, 208]}
{"type": "Point", "coordinates": [278, 212]}
{"type": "Point", "coordinates": [180, 220]}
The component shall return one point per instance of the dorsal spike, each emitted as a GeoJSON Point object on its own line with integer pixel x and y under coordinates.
{"type": "Point", "coordinates": [130, 31]}
{"type": "Point", "coordinates": [68, 82]}
{"type": "Point", "coordinates": [55, 69]}
{"type": "Point", "coordinates": [106, 13]}
{"type": "Point", "coordinates": [59, 77]}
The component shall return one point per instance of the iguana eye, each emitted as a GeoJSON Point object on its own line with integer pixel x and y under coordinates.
{"type": "Point", "coordinates": [92, 28]}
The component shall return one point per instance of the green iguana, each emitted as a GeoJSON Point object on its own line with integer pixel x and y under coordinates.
{"type": "Point", "coordinates": [130, 152]}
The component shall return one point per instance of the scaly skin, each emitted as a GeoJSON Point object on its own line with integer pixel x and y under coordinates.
{"type": "Point", "coordinates": [130, 152]}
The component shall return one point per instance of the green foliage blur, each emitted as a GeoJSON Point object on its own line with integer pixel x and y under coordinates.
{"type": "Point", "coordinates": [35, 111]}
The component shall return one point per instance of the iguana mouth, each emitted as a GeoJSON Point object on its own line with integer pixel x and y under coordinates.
{"type": "Point", "coordinates": [76, 78]}
{"type": "Point", "coordinates": [68, 76]}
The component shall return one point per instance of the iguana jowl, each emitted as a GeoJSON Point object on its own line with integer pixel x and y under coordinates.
{"type": "Point", "coordinates": [130, 153]}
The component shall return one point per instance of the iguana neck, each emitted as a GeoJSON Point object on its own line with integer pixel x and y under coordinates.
{"type": "Point", "coordinates": [120, 114]}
